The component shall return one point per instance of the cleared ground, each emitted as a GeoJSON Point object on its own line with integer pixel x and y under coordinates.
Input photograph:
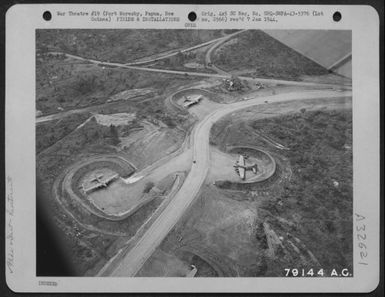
{"type": "Point", "coordinates": [64, 83]}
{"type": "Point", "coordinates": [120, 197]}
{"type": "Point", "coordinates": [117, 198]}
{"type": "Point", "coordinates": [221, 166]}
{"type": "Point", "coordinates": [144, 147]}
{"type": "Point", "coordinates": [117, 119]}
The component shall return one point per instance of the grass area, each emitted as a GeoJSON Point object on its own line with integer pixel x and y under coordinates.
{"type": "Point", "coordinates": [263, 56]}
{"type": "Point", "coordinates": [319, 196]}
{"type": "Point", "coordinates": [83, 248]}
{"type": "Point", "coordinates": [92, 138]}
{"type": "Point", "coordinates": [48, 133]}
{"type": "Point", "coordinates": [179, 61]}
{"type": "Point", "coordinates": [122, 45]}
{"type": "Point", "coordinates": [86, 247]}
{"type": "Point", "coordinates": [65, 84]}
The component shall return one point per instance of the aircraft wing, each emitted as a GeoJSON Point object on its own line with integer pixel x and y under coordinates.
{"type": "Point", "coordinates": [97, 186]}
{"type": "Point", "coordinates": [242, 170]}
{"type": "Point", "coordinates": [192, 272]}
{"type": "Point", "coordinates": [110, 179]}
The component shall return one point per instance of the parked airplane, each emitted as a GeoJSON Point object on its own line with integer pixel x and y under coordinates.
{"type": "Point", "coordinates": [192, 272]}
{"type": "Point", "coordinates": [100, 183]}
{"type": "Point", "coordinates": [97, 178]}
{"type": "Point", "coordinates": [188, 101]}
{"type": "Point", "coordinates": [241, 168]}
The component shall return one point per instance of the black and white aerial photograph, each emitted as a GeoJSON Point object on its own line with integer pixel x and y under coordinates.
{"type": "Point", "coordinates": [194, 153]}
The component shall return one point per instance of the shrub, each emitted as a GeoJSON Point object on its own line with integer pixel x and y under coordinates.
{"type": "Point", "coordinates": [147, 188]}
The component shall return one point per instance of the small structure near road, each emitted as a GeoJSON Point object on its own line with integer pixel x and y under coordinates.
{"type": "Point", "coordinates": [259, 85]}
{"type": "Point", "coordinates": [233, 83]}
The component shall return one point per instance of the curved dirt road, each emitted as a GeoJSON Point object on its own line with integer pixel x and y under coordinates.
{"type": "Point", "coordinates": [246, 78]}
{"type": "Point", "coordinates": [214, 47]}
{"type": "Point", "coordinates": [155, 58]}
{"type": "Point", "coordinates": [222, 74]}
{"type": "Point", "coordinates": [138, 255]}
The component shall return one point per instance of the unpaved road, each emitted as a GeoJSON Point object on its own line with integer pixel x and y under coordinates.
{"type": "Point", "coordinates": [61, 115]}
{"type": "Point", "coordinates": [220, 73]}
{"type": "Point", "coordinates": [214, 47]}
{"type": "Point", "coordinates": [158, 57]}
{"type": "Point", "coordinates": [251, 79]}
{"type": "Point", "coordinates": [92, 109]}
{"type": "Point", "coordinates": [138, 255]}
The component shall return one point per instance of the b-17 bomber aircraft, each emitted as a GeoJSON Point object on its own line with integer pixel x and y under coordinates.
{"type": "Point", "coordinates": [241, 168]}
{"type": "Point", "coordinates": [100, 183]}
{"type": "Point", "coordinates": [189, 101]}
